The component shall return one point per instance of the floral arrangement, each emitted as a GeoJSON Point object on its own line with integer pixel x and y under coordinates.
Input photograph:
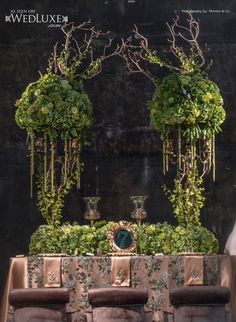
{"type": "Point", "coordinates": [186, 109]}
{"type": "Point", "coordinates": [151, 239]}
{"type": "Point", "coordinates": [190, 101]}
{"type": "Point", "coordinates": [54, 106]}
{"type": "Point", "coordinates": [56, 113]}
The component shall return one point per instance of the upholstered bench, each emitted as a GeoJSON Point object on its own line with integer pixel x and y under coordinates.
{"type": "Point", "coordinates": [199, 303]}
{"type": "Point", "coordinates": [117, 304]}
{"type": "Point", "coordinates": [39, 304]}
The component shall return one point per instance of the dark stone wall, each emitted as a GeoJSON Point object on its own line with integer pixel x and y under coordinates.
{"type": "Point", "coordinates": [124, 158]}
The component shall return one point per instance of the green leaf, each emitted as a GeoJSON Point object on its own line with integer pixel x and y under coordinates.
{"type": "Point", "coordinates": [73, 132]}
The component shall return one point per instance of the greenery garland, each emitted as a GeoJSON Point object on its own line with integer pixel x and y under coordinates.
{"type": "Point", "coordinates": [151, 239]}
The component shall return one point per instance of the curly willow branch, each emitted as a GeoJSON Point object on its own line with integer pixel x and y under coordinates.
{"type": "Point", "coordinates": [136, 50]}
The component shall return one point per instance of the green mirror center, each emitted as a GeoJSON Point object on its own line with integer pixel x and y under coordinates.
{"type": "Point", "coordinates": [123, 238]}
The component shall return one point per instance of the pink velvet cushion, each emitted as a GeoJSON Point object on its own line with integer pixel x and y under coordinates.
{"type": "Point", "coordinates": [199, 295]}
{"type": "Point", "coordinates": [38, 296]}
{"type": "Point", "coordinates": [117, 296]}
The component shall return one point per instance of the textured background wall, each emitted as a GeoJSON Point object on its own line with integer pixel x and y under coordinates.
{"type": "Point", "coordinates": [124, 158]}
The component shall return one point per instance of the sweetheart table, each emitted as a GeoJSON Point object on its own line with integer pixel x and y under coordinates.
{"type": "Point", "coordinates": [157, 273]}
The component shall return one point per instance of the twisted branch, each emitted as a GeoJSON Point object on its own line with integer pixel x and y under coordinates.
{"type": "Point", "coordinates": [137, 52]}
{"type": "Point", "coordinates": [188, 34]}
{"type": "Point", "coordinates": [76, 58]}
{"type": "Point", "coordinates": [135, 56]}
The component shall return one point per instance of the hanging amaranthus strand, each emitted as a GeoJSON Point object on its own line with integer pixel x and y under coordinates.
{"type": "Point", "coordinates": [179, 152]}
{"type": "Point", "coordinates": [164, 156]}
{"type": "Point", "coordinates": [210, 153]}
{"type": "Point", "coordinates": [78, 167]}
{"type": "Point", "coordinates": [213, 158]}
{"type": "Point", "coordinates": [66, 159]}
{"type": "Point", "coordinates": [52, 161]}
{"type": "Point", "coordinates": [45, 153]}
{"type": "Point", "coordinates": [31, 162]}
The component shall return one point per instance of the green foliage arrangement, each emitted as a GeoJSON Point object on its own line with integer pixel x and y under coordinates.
{"type": "Point", "coordinates": [168, 239]}
{"type": "Point", "coordinates": [53, 110]}
{"type": "Point", "coordinates": [55, 107]}
{"type": "Point", "coordinates": [102, 230]}
{"type": "Point", "coordinates": [78, 240]}
{"type": "Point", "coordinates": [189, 101]}
{"type": "Point", "coordinates": [46, 239]}
{"type": "Point", "coordinates": [187, 199]}
{"type": "Point", "coordinates": [186, 104]}
{"type": "Point", "coordinates": [56, 113]}
{"type": "Point", "coordinates": [50, 200]}
{"type": "Point", "coordinates": [186, 109]}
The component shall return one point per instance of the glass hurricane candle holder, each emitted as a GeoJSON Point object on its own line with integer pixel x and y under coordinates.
{"type": "Point", "coordinates": [92, 214]}
{"type": "Point", "coordinates": [139, 213]}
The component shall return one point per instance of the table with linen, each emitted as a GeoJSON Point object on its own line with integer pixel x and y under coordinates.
{"type": "Point", "coordinates": [159, 274]}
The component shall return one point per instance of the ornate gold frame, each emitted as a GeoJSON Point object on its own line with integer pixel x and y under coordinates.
{"type": "Point", "coordinates": [122, 225]}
